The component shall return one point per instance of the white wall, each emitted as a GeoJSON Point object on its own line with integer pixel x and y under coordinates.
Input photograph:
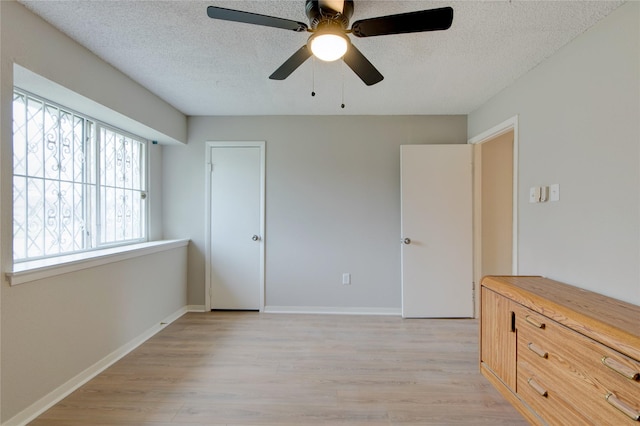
{"type": "Point", "coordinates": [332, 202]}
{"type": "Point", "coordinates": [54, 328]}
{"type": "Point", "coordinates": [579, 127]}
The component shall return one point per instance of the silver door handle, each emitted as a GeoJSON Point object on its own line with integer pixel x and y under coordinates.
{"type": "Point", "coordinates": [255, 238]}
{"type": "Point", "coordinates": [407, 241]}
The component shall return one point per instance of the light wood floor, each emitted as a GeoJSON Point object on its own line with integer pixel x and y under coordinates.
{"type": "Point", "coordinates": [276, 369]}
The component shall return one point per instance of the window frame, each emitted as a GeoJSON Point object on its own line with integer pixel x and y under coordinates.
{"type": "Point", "coordinates": [91, 251]}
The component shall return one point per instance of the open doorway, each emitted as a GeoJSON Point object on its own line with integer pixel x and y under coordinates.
{"type": "Point", "coordinates": [495, 202]}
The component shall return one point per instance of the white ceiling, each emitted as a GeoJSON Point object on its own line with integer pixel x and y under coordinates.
{"type": "Point", "coordinates": [210, 67]}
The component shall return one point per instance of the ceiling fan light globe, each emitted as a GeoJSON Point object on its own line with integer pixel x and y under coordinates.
{"type": "Point", "coordinates": [328, 47]}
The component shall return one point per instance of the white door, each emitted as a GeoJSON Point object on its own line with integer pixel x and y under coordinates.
{"type": "Point", "coordinates": [236, 220]}
{"type": "Point", "coordinates": [437, 239]}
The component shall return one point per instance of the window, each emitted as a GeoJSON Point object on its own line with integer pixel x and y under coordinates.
{"type": "Point", "coordinates": [78, 184]}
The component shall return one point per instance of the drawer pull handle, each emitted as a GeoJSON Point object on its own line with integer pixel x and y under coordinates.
{"type": "Point", "coordinates": [622, 406]}
{"type": "Point", "coordinates": [538, 351]}
{"type": "Point", "coordinates": [534, 322]}
{"type": "Point", "coordinates": [620, 368]}
{"type": "Point", "coordinates": [542, 391]}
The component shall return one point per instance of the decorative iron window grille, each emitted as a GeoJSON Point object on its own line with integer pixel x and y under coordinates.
{"type": "Point", "coordinates": [78, 184]}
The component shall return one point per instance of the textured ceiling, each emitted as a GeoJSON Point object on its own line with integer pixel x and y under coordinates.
{"type": "Point", "coordinates": [209, 67]}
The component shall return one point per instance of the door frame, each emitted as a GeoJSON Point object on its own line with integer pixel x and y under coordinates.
{"type": "Point", "coordinates": [506, 126]}
{"type": "Point", "coordinates": [207, 226]}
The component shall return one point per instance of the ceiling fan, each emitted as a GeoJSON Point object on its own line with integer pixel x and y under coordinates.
{"type": "Point", "coordinates": [329, 41]}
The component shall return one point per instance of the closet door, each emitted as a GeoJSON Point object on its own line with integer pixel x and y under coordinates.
{"type": "Point", "coordinates": [236, 225]}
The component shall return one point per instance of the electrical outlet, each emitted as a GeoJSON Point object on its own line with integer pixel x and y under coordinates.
{"type": "Point", "coordinates": [346, 278]}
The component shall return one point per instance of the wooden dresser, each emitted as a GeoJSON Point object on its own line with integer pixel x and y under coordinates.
{"type": "Point", "coordinates": [560, 354]}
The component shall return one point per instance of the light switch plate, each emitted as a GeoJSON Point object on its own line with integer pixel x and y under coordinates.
{"type": "Point", "coordinates": [554, 192]}
{"type": "Point", "coordinates": [544, 194]}
{"type": "Point", "coordinates": [534, 194]}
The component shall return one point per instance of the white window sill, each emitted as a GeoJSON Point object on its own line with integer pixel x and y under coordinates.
{"type": "Point", "coordinates": [44, 268]}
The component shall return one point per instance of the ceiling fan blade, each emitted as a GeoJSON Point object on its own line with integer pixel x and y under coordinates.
{"type": "Point", "coordinates": [291, 64]}
{"type": "Point", "coordinates": [361, 66]}
{"type": "Point", "coordinates": [335, 5]}
{"type": "Point", "coordinates": [412, 22]}
{"type": "Point", "coordinates": [254, 18]}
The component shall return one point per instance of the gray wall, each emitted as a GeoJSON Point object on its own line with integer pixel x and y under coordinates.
{"type": "Point", "coordinates": [40, 58]}
{"type": "Point", "coordinates": [579, 127]}
{"type": "Point", "coordinates": [30, 42]}
{"type": "Point", "coordinates": [332, 202]}
{"type": "Point", "coordinates": [55, 328]}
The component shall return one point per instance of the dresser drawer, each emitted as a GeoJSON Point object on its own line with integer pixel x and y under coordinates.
{"type": "Point", "coordinates": [588, 376]}
{"type": "Point", "coordinates": [542, 395]}
{"type": "Point", "coordinates": [570, 387]}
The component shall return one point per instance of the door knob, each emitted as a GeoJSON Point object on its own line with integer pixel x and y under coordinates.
{"type": "Point", "coordinates": [255, 238]}
{"type": "Point", "coordinates": [407, 241]}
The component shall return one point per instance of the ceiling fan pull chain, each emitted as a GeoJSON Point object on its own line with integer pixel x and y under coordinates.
{"type": "Point", "coordinates": [313, 76]}
{"type": "Point", "coordinates": [342, 104]}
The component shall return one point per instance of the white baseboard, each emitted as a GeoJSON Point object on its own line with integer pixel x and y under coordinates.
{"type": "Point", "coordinates": [62, 391]}
{"type": "Point", "coordinates": [331, 310]}
{"type": "Point", "coordinates": [196, 308]}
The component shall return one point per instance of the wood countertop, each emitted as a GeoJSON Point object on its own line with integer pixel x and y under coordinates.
{"type": "Point", "coordinates": [613, 322]}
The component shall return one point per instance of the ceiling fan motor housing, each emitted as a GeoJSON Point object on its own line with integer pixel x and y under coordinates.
{"type": "Point", "coordinates": [321, 17]}
{"type": "Point", "coordinates": [329, 21]}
